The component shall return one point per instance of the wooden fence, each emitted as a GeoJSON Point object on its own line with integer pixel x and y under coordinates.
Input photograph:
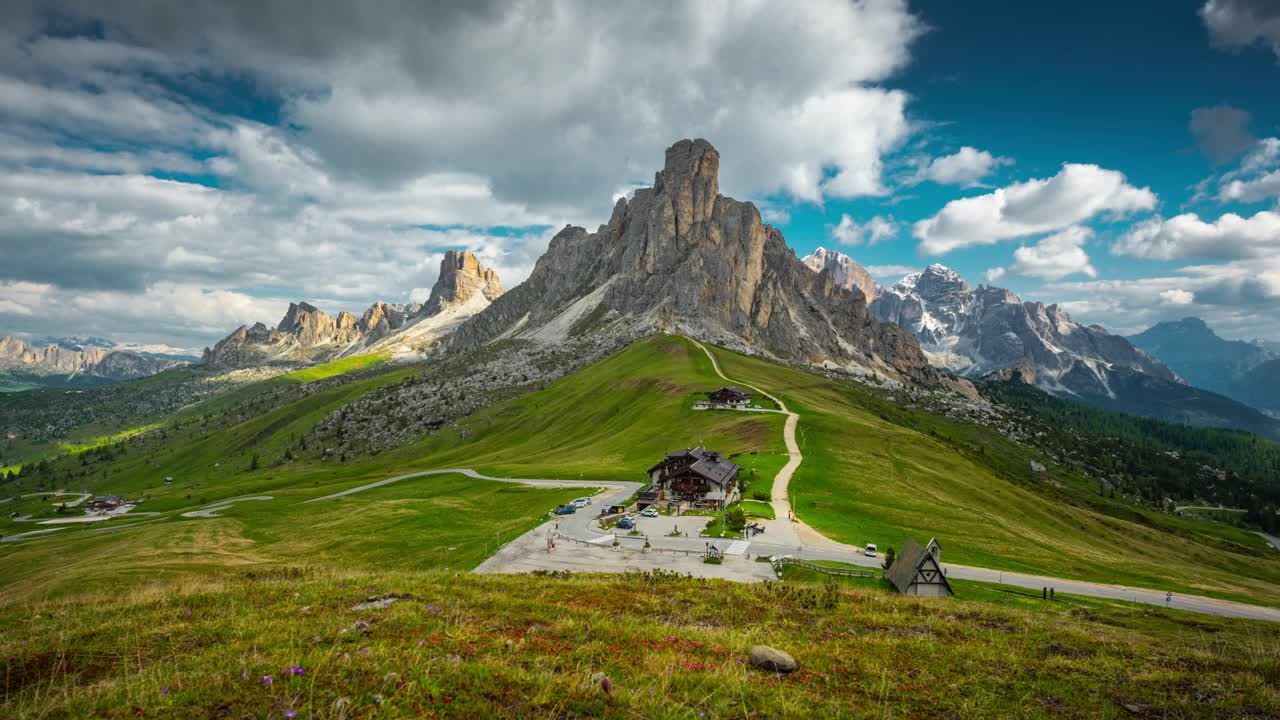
{"type": "Point", "coordinates": [779, 562]}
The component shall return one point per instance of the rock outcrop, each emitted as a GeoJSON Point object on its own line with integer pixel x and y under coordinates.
{"type": "Point", "coordinates": [307, 334]}
{"type": "Point", "coordinates": [95, 360]}
{"type": "Point", "coordinates": [844, 270]}
{"type": "Point", "coordinates": [681, 257]}
{"type": "Point", "coordinates": [462, 277]}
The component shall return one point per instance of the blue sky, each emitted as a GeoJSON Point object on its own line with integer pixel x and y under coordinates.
{"type": "Point", "coordinates": [172, 173]}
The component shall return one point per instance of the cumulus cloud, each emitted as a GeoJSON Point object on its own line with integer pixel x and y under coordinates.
{"type": "Point", "coordinates": [890, 272]}
{"type": "Point", "coordinates": [1186, 237]}
{"type": "Point", "coordinates": [1237, 24]}
{"type": "Point", "coordinates": [224, 147]}
{"type": "Point", "coordinates": [1257, 178]}
{"type": "Point", "coordinates": [1177, 297]}
{"type": "Point", "coordinates": [994, 275]}
{"type": "Point", "coordinates": [1056, 256]}
{"type": "Point", "coordinates": [849, 232]}
{"type": "Point", "coordinates": [1076, 194]}
{"type": "Point", "coordinates": [966, 167]}
{"type": "Point", "coordinates": [1240, 298]}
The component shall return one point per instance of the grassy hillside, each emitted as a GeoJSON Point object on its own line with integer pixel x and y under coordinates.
{"type": "Point", "coordinates": [874, 471]}
{"type": "Point", "coordinates": [611, 421]}
{"type": "Point", "coordinates": [877, 472]}
{"type": "Point", "coordinates": [290, 643]}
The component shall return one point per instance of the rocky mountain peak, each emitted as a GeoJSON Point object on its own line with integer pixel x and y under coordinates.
{"type": "Point", "coordinates": [690, 162]}
{"type": "Point", "coordinates": [462, 278]}
{"type": "Point", "coordinates": [846, 271]}
{"type": "Point", "coordinates": [679, 257]}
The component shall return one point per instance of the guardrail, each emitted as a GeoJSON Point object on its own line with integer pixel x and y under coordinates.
{"type": "Point", "coordinates": [779, 562]}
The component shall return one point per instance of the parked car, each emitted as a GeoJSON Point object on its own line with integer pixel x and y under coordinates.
{"type": "Point", "coordinates": [583, 500]}
{"type": "Point", "coordinates": [871, 550]}
{"type": "Point", "coordinates": [566, 510]}
{"type": "Point", "coordinates": [579, 503]}
{"type": "Point", "coordinates": [650, 512]}
{"type": "Point", "coordinates": [626, 523]}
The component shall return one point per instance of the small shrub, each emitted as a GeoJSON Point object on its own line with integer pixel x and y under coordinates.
{"type": "Point", "coordinates": [761, 495]}
{"type": "Point", "coordinates": [735, 519]}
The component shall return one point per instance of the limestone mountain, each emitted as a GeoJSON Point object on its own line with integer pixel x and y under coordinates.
{"type": "Point", "coordinates": [975, 332]}
{"type": "Point", "coordinates": [72, 362]}
{"type": "Point", "coordinates": [307, 334]}
{"type": "Point", "coordinates": [844, 270]}
{"type": "Point", "coordinates": [1197, 353]}
{"type": "Point", "coordinates": [462, 278]}
{"type": "Point", "coordinates": [991, 333]}
{"type": "Point", "coordinates": [681, 257]}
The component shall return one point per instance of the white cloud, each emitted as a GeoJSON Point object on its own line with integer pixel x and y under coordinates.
{"type": "Point", "coordinates": [1239, 299]}
{"type": "Point", "coordinates": [1056, 256]}
{"type": "Point", "coordinates": [403, 133]}
{"type": "Point", "coordinates": [966, 167]}
{"type": "Point", "coordinates": [1076, 194]}
{"type": "Point", "coordinates": [994, 275]}
{"type": "Point", "coordinates": [1258, 177]}
{"type": "Point", "coordinates": [894, 272]}
{"type": "Point", "coordinates": [878, 228]}
{"type": "Point", "coordinates": [776, 215]}
{"type": "Point", "coordinates": [1242, 23]}
{"type": "Point", "coordinates": [1186, 236]}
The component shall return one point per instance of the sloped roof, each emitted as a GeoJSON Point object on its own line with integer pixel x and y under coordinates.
{"type": "Point", "coordinates": [706, 463]}
{"type": "Point", "coordinates": [907, 564]}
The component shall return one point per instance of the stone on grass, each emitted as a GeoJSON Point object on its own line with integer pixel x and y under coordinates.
{"type": "Point", "coordinates": [772, 659]}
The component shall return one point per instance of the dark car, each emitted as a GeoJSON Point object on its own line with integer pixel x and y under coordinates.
{"type": "Point", "coordinates": [626, 523]}
{"type": "Point", "coordinates": [566, 510]}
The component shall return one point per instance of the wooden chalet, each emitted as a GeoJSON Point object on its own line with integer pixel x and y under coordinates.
{"type": "Point", "coordinates": [730, 396]}
{"type": "Point", "coordinates": [697, 476]}
{"type": "Point", "coordinates": [918, 571]}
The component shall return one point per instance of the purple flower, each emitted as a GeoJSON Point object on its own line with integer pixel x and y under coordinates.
{"type": "Point", "coordinates": [291, 713]}
{"type": "Point", "coordinates": [164, 691]}
{"type": "Point", "coordinates": [296, 671]}
{"type": "Point", "coordinates": [266, 680]}
{"type": "Point", "coordinates": [420, 643]}
{"type": "Point", "coordinates": [188, 613]}
{"type": "Point", "coordinates": [244, 674]}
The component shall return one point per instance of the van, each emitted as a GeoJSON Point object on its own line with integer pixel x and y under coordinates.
{"type": "Point", "coordinates": [871, 550]}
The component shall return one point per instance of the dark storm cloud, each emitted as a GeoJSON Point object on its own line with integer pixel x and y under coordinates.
{"type": "Point", "coordinates": [69, 261]}
{"type": "Point", "coordinates": [1221, 132]}
{"type": "Point", "coordinates": [1243, 23]}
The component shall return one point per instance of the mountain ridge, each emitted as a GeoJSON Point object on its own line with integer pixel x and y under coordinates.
{"type": "Point", "coordinates": [308, 334]}
{"type": "Point", "coordinates": [680, 257]}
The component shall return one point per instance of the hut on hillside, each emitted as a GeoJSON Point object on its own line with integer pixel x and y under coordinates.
{"type": "Point", "coordinates": [698, 476]}
{"type": "Point", "coordinates": [918, 570]}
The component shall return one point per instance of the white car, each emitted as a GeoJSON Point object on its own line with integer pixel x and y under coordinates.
{"type": "Point", "coordinates": [871, 550]}
{"type": "Point", "coordinates": [649, 512]}
{"type": "Point", "coordinates": [579, 503]}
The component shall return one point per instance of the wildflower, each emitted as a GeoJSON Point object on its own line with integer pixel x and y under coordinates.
{"type": "Point", "coordinates": [164, 691]}
{"type": "Point", "coordinates": [420, 643]}
{"type": "Point", "coordinates": [244, 674]}
{"type": "Point", "coordinates": [266, 680]}
{"type": "Point", "coordinates": [291, 713]}
{"type": "Point", "coordinates": [188, 613]}
{"type": "Point", "coordinates": [296, 671]}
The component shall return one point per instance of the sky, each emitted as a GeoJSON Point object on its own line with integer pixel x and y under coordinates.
{"type": "Point", "coordinates": [171, 171]}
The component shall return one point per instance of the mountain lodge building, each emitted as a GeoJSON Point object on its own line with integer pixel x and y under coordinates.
{"type": "Point", "coordinates": [730, 396]}
{"type": "Point", "coordinates": [697, 476]}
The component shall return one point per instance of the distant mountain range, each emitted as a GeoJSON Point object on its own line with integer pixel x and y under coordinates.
{"type": "Point", "coordinates": [307, 334]}
{"type": "Point", "coordinates": [1246, 371]}
{"type": "Point", "coordinates": [76, 362]}
{"type": "Point", "coordinates": [989, 332]}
